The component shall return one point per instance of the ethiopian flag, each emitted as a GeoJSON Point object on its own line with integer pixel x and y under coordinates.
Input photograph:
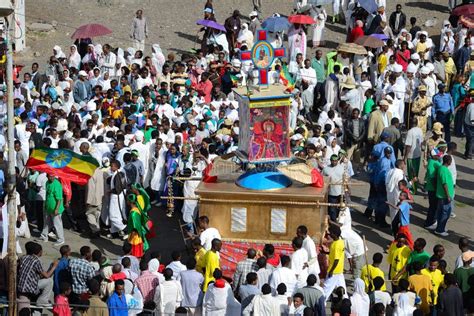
{"type": "Point", "coordinates": [286, 78]}
{"type": "Point", "coordinates": [63, 163]}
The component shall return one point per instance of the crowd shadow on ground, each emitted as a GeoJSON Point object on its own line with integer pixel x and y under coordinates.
{"type": "Point", "coordinates": [429, 5]}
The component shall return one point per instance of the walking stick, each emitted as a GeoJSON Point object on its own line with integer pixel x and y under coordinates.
{"type": "Point", "coordinates": [367, 262]}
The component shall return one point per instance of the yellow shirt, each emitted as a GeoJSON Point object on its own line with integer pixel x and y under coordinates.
{"type": "Point", "coordinates": [421, 285]}
{"type": "Point", "coordinates": [382, 61]}
{"type": "Point", "coordinates": [211, 263]}
{"type": "Point", "coordinates": [397, 258]}
{"type": "Point", "coordinates": [421, 47]}
{"type": "Point", "coordinates": [336, 252]}
{"type": "Point", "coordinates": [199, 256]}
{"type": "Point", "coordinates": [437, 280]}
{"type": "Point", "coordinates": [373, 272]}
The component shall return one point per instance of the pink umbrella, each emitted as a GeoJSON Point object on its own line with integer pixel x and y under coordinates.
{"type": "Point", "coordinates": [90, 31]}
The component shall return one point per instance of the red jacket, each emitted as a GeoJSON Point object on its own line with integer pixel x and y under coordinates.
{"type": "Point", "coordinates": [355, 34]}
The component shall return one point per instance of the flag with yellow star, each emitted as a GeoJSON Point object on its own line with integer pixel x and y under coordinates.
{"type": "Point", "coordinates": [63, 163]}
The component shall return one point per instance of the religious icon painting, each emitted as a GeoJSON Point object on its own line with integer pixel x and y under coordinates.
{"type": "Point", "coordinates": [269, 140]}
{"type": "Point", "coordinates": [262, 55]}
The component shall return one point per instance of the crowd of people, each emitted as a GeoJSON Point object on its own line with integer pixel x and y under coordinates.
{"type": "Point", "coordinates": [148, 118]}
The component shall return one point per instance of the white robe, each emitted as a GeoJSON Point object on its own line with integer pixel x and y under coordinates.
{"type": "Point", "coordinates": [158, 179]}
{"type": "Point", "coordinates": [391, 183]}
{"type": "Point", "coordinates": [168, 296]}
{"type": "Point", "coordinates": [313, 263]}
{"type": "Point", "coordinates": [144, 156]}
{"type": "Point", "coordinates": [284, 275]}
{"type": "Point", "coordinates": [189, 206]}
{"type": "Point", "coordinates": [296, 43]}
{"type": "Point", "coordinates": [263, 305]}
{"type": "Point", "coordinates": [116, 210]}
{"type": "Point", "coordinates": [298, 260]}
{"type": "Point", "coordinates": [220, 302]}
{"type": "Point", "coordinates": [320, 16]}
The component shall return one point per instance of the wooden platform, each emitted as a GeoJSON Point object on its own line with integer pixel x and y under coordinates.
{"type": "Point", "coordinates": [242, 214]}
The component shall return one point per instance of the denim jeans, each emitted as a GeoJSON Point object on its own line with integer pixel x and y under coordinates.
{"type": "Point", "coordinates": [333, 211]}
{"type": "Point", "coordinates": [381, 208]}
{"type": "Point", "coordinates": [469, 131]}
{"type": "Point", "coordinates": [432, 208]}
{"type": "Point", "coordinates": [444, 118]}
{"type": "Point", "coordinates": [444, 211]}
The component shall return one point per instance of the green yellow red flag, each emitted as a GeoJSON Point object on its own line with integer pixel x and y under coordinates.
{"type": "Point", "coordinates": [63, 163]}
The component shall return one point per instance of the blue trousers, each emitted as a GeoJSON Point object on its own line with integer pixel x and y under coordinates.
{"type": "Point", "coordinates": [444, 211]}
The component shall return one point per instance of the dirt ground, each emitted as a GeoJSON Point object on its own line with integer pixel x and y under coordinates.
{"type": "Point", "coordinates": [171, 22]}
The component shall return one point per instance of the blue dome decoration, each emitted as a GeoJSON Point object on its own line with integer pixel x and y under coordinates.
{"type": "Point", "coordinates": [263, 180]}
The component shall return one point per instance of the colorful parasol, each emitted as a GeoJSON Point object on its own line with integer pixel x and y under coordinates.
{"type": "Point", "coordinates": [369, 41]}
{"type": "Point", "coordinates": [211, 24]}
{"type": "Point", "coordinates": [301, 19]}
{"type": "Point", "coordinates": [276, 24]}
{"type": "Point", "coordinates": [352, 48]}
{"type": "Point", "coordinates": [90, 31]}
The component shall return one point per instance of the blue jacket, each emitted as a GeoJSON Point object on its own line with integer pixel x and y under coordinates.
{"type": "Point", "coordinates": [80, 94]}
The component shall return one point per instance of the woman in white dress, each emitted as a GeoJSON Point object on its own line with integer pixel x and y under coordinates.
{"type": "Point", "coordinates": [296, 42]}
{"type": "Point", "coordinates": [320, 16]}
{"type": "Point", "coordinates": [157, 182]}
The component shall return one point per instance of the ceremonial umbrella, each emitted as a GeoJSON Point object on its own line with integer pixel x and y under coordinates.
{"type": "Point", "coordinates": [368, 5]}
{"type": "Point", "coordinates": [381, 37]}
{"type": "Point", "coordinates": [90, 31]}
{"type": "Point", "coordinates": [369, 41]}
{"type": "Point", "coordinates": [276, 24]}
{"type": "Point", "coordinates": [211, 24]}
{"type": "Point", "coordinates": [352, 48]}
{"type": "Point", "coordinates": [465, 10]}
{"type": "Point", "coordinates": [466, 21]}
{"type": "Point", "coordinates": [301, 19]}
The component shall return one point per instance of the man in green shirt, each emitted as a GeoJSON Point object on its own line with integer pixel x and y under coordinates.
{"type": "Point", "coordinates": [430, 186]}
{"type": "Point", "coordinates": [463, 274]}
{"type": "Point", "coordinates": [53, 209]}
{"type": "Point", "coordinates": [445, 193]}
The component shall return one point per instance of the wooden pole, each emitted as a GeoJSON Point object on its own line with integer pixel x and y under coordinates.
{"type": "Point", "coordinates": [11, 204]}
{"type": "Point", "coordinates": [367, 261]}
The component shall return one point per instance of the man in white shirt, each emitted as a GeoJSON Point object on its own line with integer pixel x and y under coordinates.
{"type": "Point", "coordinates": [168, 294]}
{"type": "Point", "coordinates": [263, 304]}
{"type": "Point", "coordinates": [284, 275]}
{"type": "Point", "coordinates": [263, 272]}
{"type": "Point", "coordinates": [176, 266]}
{"type": "Point", "coordinates": [354, 248]}
{"type": "Point", "coordinates": [208, 233]}
{"type": "Point", "coordinates": [282, 299]}
{"type": "Point", "coordinates": [308, 74]}
{"type": "Point", "coordinates": [413, 142]}
{"type": "Point", "coordinates": [109, 61]}
{"type": "Point", "coordinates": [379, 295]}
{"type": "Point", "coordinates": [191, 283]}
{"type": "Point", "coordinates": [310, 247]}
{"type": "Point", "coordinates": [299, 261]}
{"type": "Point", "coordinates": [464, 247]}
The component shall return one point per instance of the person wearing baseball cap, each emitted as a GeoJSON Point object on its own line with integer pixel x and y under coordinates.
{"type": "Point", "coordinates": [442, 110]}
{"type": "Point", "coordinates": [82, 88]}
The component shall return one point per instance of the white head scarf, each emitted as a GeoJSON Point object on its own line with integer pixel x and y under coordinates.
{"type": "Point", "coordinates": [245, 35]}
{"type": "Point", "coordinates": [403, 306]}
{"type": "Point", "coordinates": [157, 57]}
{"type": "Point", "coordinates": [74, 59]}
{"type": "Point", "coordinates": [58, 52]}
{"type": "Point", "coordinates": [153, 266]}
{"type": "Point", "coordinates": [360, 300]}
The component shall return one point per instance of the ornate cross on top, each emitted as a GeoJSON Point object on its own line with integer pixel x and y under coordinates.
{"type": "Point", "coordinates": [262, 55]}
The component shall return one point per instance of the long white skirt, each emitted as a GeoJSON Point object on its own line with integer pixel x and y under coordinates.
{"type": "Point", "coordinates": [117, 212]}
{"type": "Point", "coordinates": [189, 206]}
